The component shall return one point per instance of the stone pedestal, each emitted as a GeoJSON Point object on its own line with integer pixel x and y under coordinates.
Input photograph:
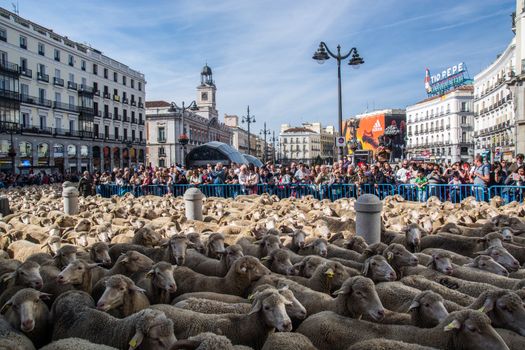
{"type": "Point", "coordinates": [70, 195]}
{"type": "Point", "coordinates": [368, 209]}
{"type": "Point", "coordinates": [193, 202]}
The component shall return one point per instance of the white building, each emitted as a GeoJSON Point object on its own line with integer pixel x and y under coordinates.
{"type": "Point", "coordinates": [240, 140]}
{"type": "Point", "coordinates": [300, 144]}
{"type": "Point", "coordinates": [327, 140]}
{"type": "Point", "coordinates": [494, 118]}
{"type": "Point", "coordinates": [166, 122]}
{"type": "Point", "coordinates": [440, 127]}
{"type": "Point", "coordinates": [65, 105]}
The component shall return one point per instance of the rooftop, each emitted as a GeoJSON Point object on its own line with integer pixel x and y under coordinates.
{"type": "Point", "coordinates": [298, 129]}
{"type": "Point", "coordinates": [157, 104]}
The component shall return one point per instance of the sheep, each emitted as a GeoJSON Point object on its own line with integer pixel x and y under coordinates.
{"type": "Point", "coordinates": [456, 258]}
{"type": "Point", "coordinates": [327, 277]}
{"type": "Point", "coordinates": [421, 283]}
{"type": "Point", "coordinates": [62, 258]}
{"type": "Point", "coordinates": [267, 314]}
{"type": "Point", "coordinates": [194, 239]}
{"type": "Point", "coordinates": [75, 344]}
{"type": "Point", "coordinates": [146, 237]}
{"type": "Point", "coordinates": [132, 264]}
{"type": "Point", "coordinates": [22, 249]}
{"type": "Point", "coordinates": [467, 246]}
{"type": "Point", "coordinates": [427, 309]}
{"type": "Point", "coordinates": [242, 272]}
{"type": "Point", "coordinates": [297, 240]}
{"type": "Point", "coordinates": [486, 263]}
{"type": "Point", "coordinates": [213, 267]}
{"type": "Point", "coordinates": [278, 261]}
{"type": "Point", "coordinates": [12, 339]}
{"type": "Point", "coordinates": [307, 266]}
{"type": "Point", "coordinates": [411, 238]}
{"type": "Point", "coordinates": [295, 310]}
{"type": "Point", "coordinates": [378, 269]}
{"type": "Point", "coordinates": [398, 257]}
{"type": "Point", "coordinates": [371, 250]}
{"type": "Point", "coordinates": [384, 344]}
{"type": "Point", "coordinates": [504, 308]}
{"type": "Point", "coordinates": [27, 275]}
{"type": "Point", "coordinates": [501, 256]}
{"type": "Point", "coordinates": [78, 274]}
{"type": "Point", "coordinates": [327, 330]}
{"type": "Point", "coordinates": [226, 298]}
{"type": "Point", "coordinates": [74, 316]}
{"type": "Point", "coordinates": [97, 253]}
{"type": "Point", "coordinates": [468, 274]}
{"type": "Point", "coordinates": [26, 312]}
{"type": "Point", "coordinates": [122, 297]}
{"type": "Point", "coordinates": [438, 265]}
{"type": "Point", "coordinates": [214, 245]}
{"type": "Point", "coordinates": [317, 246]}
{"type": "Point", "coordinates": [204, 341]}
{"type": "Point", "coordinates": [288, 341]}
{"type": "Point", "coordinates": [397, 296]}
{"type": "Point", "coordinates": [159, 283]}
{"type": "Point", "coordinates": [260, 248]}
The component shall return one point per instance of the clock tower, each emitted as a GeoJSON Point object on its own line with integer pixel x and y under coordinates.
{"type": "Point", "coordinates": [206, 95]}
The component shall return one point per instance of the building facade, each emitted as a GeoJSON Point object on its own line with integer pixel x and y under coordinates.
{"type": "Point", "coordinates": [64, 106]}
{"type": "Point", "coordinates": [166, 122]}
{"type": "Point", "coordinates": [258, 146]}
{"type": "Point", "coordinates": [494, 118]}
{"type": "Point", "coordinates": [439, 128]}
{"type": "Point", "coordinates": [299, 144]}
{"type": "Point", "coordinates": [327, 140]}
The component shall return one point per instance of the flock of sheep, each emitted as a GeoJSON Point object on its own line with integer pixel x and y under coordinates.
{"type": "Point", "coordinates": [260, 273]}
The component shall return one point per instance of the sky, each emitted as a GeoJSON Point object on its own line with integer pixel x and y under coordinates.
{"type": "Point", "coordinates": [261, 51]}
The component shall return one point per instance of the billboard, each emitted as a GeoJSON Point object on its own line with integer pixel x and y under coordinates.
{"type": "Point", "coordinates": [448, 79]}
{"type": "Point", "coordinates": [370, 130]}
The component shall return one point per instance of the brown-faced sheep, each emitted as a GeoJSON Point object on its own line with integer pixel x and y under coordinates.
{"type": "Point", "coordinates": [122, 297]}
{"type": "Point", "coordinates": [159, 283]}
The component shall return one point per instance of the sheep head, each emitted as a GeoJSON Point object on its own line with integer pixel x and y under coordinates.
{"type": "Point", "coordinates": [24, 307]}
{"type": "Point", "coordinates": [427, 309]}
{"type": "Point", "coordinates": [378, 269]}
{"type": "Point", "coordinates": [501, 256]}
{"type": "Point", "coordinates": [153, 330]}
{"type": "Point", "coordinates": [361, 298]}
{"type": "Point", "coordinates": [486, 263]}
{"type": "Point", "coordinates": [162, 276]}
{"type": "Point", "coordinates": [272, 305]}
{"type": "Point", "coordinates": [505, 309]}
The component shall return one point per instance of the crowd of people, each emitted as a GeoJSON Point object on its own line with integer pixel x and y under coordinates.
{"type": "Point", "coordinates": [482, 174]}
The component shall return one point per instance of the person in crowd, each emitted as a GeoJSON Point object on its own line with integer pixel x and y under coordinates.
{"type": "Point", "coordinates": [85, 185]}
{"type": "Point", "coordinates": [480, 177]}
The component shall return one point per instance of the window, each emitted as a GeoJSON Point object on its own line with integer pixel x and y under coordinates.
{"type": "Point", "coordinates": [106, 73]}
{"type": "Point", "coordinates": [3, 34]}
{"type": "Point", "coordinates": [57, 73]}
{"type": "Point", "coordinates": [140, 86]}
{"type": "Point", "coordinates": [125, 134]}
{"type": "Point", "coordinates": [162, 162]}
{"type": "Point", "coordinates": [58, 123]}
{"type": "Point", "coordinates": [132, 83]}
{"type": "Point", "coordinates": [71, 100]}
{"type": "Point", "coordinates": [23, 42]}
{"type": "Point", "coordinates": [25, 119]}
{"type": "Point", "coordinates": [84, 82]}
{"type": "Point", "coordinates": [57, 55]}
{"type": "Point", "coordinates": [124, 80]}
{"type": "Point", "coordinates": [161, 134]}
{"type": "Point", "coordinates": [95, 69]}
{"type": "Point", "coordinates": [140, 135]}
{"type": "Point", "coordinates": [115, 77]}
{"type": "Point", "coordinates": [41, 49]}
{"type": "Point", "coordinates": [23, 64]}
{"type": "Point", "coordinates": [71, 60]}
{"type": "Point", "coordinates": [133, 135]}
{"type": "Point", "coordinates": [116, 132]}
{"type": "Point", "coordinates": [43, 122]}
{"type": "Point", "coordinates": [24, 89]}
{"type": "Point", "coordinates": [106, 130]}
{"type": "Point", "coordinates": [464, 106]}
{"type": "Point", "coordinates": [42, 94]}
{"type": "Point", "coordinates": [95, 130]}
{"type": "Point", "coordinates": [71, 125]}
{"type": "Point", "coordinates": [83, 65]}
{"type": "Point", "coordinates": [41, 69]}
{"type": "Point", "coordinates": [95, 86]}
{"type": "Point", "coordinates": [72, 77]}
{"type": "Point", "coordinates": [58, 97]}
{"type": "Point", "coordinates": [204, 96]}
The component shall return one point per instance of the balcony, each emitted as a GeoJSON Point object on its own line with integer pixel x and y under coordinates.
{"type": "Point", "coordinates": [117, 117]}
{"type": "Point", "coordinates": [125, 118]}
{"type": "Point", "coordinates": [42, 77]}
{"type": "Point", "coordinates": [86, 89]}
{"type": "Point", "coordinates": [10, 68]}
{"type": "Point", "coordinates": [133, 103]}
{"type": "Point", "coordinates": [134, 120]}
{"type": "Point", "coordinates": [3, 37]}
{"type": "Point", "coordinates": [26, 73]}
{"type": "Point", "coordinates": [65, 106]}
{"type": "Point", "coordinates": [107, 95]}
{"type": "Point", "coordinates": [98, 113]}
{"type": "Point", "coordinates": [37, 130]}
{"type": "Point", "coordinates": [66, 132]}
{"type": "Point", "coordinates": [116, 98]}
{"type": "Point", "coordinates": [141, 122]}
{"type": "Point", "coordinates": [12, 96]}
{"type": "Point", "coordinates": [72, 85]}
{"type": "Point", "coordinates": [58, 81]}
{"type": "Point", "coordinates": [141, 105]}
{"type": "Point", "coordinates": [86, 112]}
{"type": "Point", "coordinates": [108, 115]}
{"type": "Point", "coordinates": [36, 101]}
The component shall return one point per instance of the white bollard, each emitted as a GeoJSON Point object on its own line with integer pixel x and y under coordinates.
{"type": "Point", "coordinates": [368, 209]}
{"type": "Point", "coordinates": [193, 202]}
{"type": "Point", "coordinates": [70, 195]}
{"type": "Point", "coordinates": [4, 206]}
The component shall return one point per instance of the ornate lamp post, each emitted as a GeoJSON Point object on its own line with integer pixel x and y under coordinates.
{"type": "Point", "coordinates": [322, 54]}
{"type": "Point", "coordinates": [248, 120]}
{"type": "Point", "coordinates": [265, 132]}
{"type": "Point", "coordinates": [183, 140]}
{"type": "Point", "coordinates": [192, 107]}
{"type": "Point", "coordinates": [12, 154]}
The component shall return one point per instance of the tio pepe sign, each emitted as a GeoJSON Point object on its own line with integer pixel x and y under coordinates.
{"type": "Point", "coordinates": [447, 73]}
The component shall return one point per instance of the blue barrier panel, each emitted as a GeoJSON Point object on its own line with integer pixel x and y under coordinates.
{"type": "Point", "coordinates": [380, 190]}
{"type": "Point", "coordinates": [408, 191]}
{"type": "Point", "coordinates": [508, 193]}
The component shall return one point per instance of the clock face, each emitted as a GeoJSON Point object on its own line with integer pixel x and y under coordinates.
{"type": "Point", "coordinates": [204, 96]}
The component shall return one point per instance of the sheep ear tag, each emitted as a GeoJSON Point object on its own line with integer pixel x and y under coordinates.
{"type": "Point", "coordinates": [329, 273]}
{"type": "Point", "coordinates": [135, 341]}
{"type": "Point", "coordinates": [452, 325]}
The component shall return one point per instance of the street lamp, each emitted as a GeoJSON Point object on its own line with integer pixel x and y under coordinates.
{"type": "Point", "coordinates": [265, 132]}
{"type": "Point", "coordinates": [273, 139]}
{"type": "Point", "coordinates": [183, 138]}
{"type": "Point", "coordinates": [322, 54]}
{"type": "Point", "coordinates": [12, 154]}
{"type": "Point", "coordinates": [248, 120]}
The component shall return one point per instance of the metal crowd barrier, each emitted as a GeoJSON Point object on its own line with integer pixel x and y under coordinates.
{"type": "Point", "coordinates": [410, 192]}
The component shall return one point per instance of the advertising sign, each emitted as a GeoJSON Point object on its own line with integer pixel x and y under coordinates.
{"type": "Point", "coordinates": [447, 79]}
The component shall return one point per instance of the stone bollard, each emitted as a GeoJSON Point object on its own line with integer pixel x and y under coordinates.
{"type": "Point", "coordinates": [70, 195]}
{"type": "Point", "coordinates": [4, 206]}
{"type": "Point", "coordinates": [368, 209]}
{"type": "Point", "coordinates": [193, 203]}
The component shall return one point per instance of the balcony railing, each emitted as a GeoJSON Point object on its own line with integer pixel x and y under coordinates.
{"type": "Point", "coordinates": [107, 95]}
{"type": "Point", "coordinates": [125, 100]}
{"type": "Point", "coordinates": [108, 115]}
{"type": "Point", "coordinates": [65, 106]}
{"type": "Point", "coordinates": [141, 122]}
{"type": "Point", "coordinates": [10, 95]}
{"type": "Point", "coordinates": [37, 130]}
{"type": "Point", "coordinates": [133, 103]}
{"type": "Point", "coordinates": [141, 105]}
{"type": "Point", "coordinates": [117, 117]}
{"type": "Point", "coordinates": [161, 140]}
{"type": "Point", "coordinates": [26, 72]}
{"type": "Point", "coordinates": [35, 100]}
{"type": "Point", "coordinates": [42, 77]}
{"type": "Point", "coordinates": [9, 67]}
{"type": "Point", "coordinates": [58, 81]}
{"type": "Point", "coordinates": [134, 120]}
{"type": "Point", "coordinates": [72, 85]}
{"type": "Point", "coordinates": [86, 89]}
{"type": "Point", "coordinates": [86, 111]}
{"type": "Point", "coordinates": [125, 118]}
{"type": "Point", "coordinates": [97, 92]}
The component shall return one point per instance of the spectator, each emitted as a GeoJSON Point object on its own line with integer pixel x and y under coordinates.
{"type": "Point", "coordinates": [421, 184]}
{"type": "Point", "coordinates": [85, 185]}
{"type": "Point", "coordinates": [481, 177]}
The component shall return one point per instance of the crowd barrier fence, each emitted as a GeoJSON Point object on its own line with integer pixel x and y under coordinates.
{"type": "Point", "coordinates": [410, 192]}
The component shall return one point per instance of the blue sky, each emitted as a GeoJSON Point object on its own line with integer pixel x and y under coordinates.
{"type": "Point", "coordinates": [260, 51]}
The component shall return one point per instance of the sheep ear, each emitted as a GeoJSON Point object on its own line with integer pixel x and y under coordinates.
{"type": "Point", "coordinates": [92, 266]}
{"type": "Point", "coordinates": [136, 340]}
{"type": "Point", "coordinates": [452, 325]}
{"type": "Point", "coordinates": [7, 276]}
{"type": "Point", "coordinates": [414, 305]}
{"type": "Point", "coordinates": [266, 258]}
{"type": "Point", "coordinates": [256, 307]}
{"type": "Point", "coordinates": [482, 240]}
{"type": "Point", "coordinates": [488, 305]}
{"type": "Point", "coordinates": [45, 296]}
{"type": "Point", "coordinates": [471, 264]}
{"type": "Point", "coordinates": [137, 289]}
{"type": "Point", "coordinates": [366, 266]}
{"type": "Point", "coordinates": [185, 344]}
{"type": "Point", "coordinates": [150, 273]}
{"type": "Point", "coordinates": [5, 307]}
{"type": "Point", "coordinates": [389, 256]}
{"type": "Point", "coordinates": [483, 252]}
